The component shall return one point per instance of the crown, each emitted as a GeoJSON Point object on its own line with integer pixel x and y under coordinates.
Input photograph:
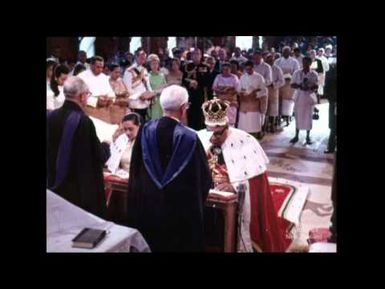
{"type": "Point", "coordinates": [215, 112]}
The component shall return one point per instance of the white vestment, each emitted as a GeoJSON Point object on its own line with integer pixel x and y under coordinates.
{"type": "Point", "coordinates": [278, 82]}
{"type": "Point", "coordinates": [252, 121]}
{"type": "Point", "coordinates": [97, 84]}
{"type": "Point", "coordinates": [135, 90]}
{"type": "Point", "coordinates": [305, 100]}
{"type": "Point", "coordinates": [245, 159]}
{"type": "Point", "coordinates": [289, 66]}
{"type": "Point", "coordinates": [55, 102]}
{"type": "Point", "coordinates": [264, 69]}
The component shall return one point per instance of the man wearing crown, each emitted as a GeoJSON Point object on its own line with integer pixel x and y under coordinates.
{"type": "Point", "coordinates": [238, 162]}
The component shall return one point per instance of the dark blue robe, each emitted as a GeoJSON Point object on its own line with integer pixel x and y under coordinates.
{"type": "Point", "coordinates": [168, 186]}
{"type": "Point", "coordinates": [83, 182]}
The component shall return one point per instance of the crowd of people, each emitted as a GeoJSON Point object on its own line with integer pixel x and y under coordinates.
{"type": "Point", "coordinates": [191, 124]}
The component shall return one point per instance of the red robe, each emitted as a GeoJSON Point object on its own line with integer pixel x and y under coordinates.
{"type": "Point", "coordinates": [265, 229]}
{"type": "Point", "coordinates": [260, 227]}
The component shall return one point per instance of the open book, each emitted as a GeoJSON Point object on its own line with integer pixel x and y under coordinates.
{"type": "Point", "coordinates": [120, 173]}
{"type": "Point", "coordinates": [221, 195]}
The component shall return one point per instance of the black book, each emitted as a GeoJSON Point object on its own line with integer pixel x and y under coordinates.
{"type": "Point", "coordinates": [88, 238]}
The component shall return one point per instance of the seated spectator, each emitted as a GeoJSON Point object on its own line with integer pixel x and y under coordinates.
{"type": "Point", "coordinates": [55, 95]}
{"type": "Point", "coordinates": [126, 134]}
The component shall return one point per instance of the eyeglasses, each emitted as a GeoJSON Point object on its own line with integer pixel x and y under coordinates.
{"type": "Point", "coordinates": [89, 93]}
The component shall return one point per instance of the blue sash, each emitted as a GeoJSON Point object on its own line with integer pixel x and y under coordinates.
{"type": "Point", "coordinates": [63, 156]}
{"type": "Point", "coordinates": [184, 141]}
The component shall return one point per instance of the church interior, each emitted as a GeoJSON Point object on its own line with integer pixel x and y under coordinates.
{"type": "Point", "coordinates": [301, 174]}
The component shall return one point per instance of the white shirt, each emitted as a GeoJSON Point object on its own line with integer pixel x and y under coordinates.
{"type": "Point", "coordinates": [288, 65]}
{"type": "Point", "coordinates": [97, 84]}
{"type": "Point", "coordinates": [331, 59]}
{"type": "Point", "coordinates": [325, 63]}
{"type": "Point", "coordinates": [50, 99]}
{"type": "Point", "coordinates": [121, 150]}
{"type": "Point", "coordinates": [298, 78]}
{"type": "Point", "coordinates": [55, 102]}
{"type": "Point", "coordinates": [278, 80]}
{"type": "Point", "coordinates": [299, 59]}
{"type": "Point", "coordinates": [136, 92]}
{"type": "Point", "coordinates": [248, 83]}
{"type": "Point", "coordinates": [164, 70]}
{"type": "Point", "coordinates": [87, 65]}
{"type": "Point", "coordinates": [264, 69]}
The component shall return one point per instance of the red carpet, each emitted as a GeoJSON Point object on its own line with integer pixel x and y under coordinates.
{"type": "Point", "coordinates": [282, 194]}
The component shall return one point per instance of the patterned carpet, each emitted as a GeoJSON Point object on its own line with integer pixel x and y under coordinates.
{"type": "Point", "coordinates": [307, 165]}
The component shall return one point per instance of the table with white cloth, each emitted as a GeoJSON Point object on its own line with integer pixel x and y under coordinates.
{"type": "Point", "coordinates": [65, 221]}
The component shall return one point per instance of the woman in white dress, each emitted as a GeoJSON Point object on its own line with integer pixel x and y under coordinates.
{"type": "Point", "coordinates": [50, 67]}
{"type": "Point", "coordinates": [55, 95]}
{"type": "Point", "coordinates": [123, 142]}
{"type": "Point", "coordinates": [305, 81]}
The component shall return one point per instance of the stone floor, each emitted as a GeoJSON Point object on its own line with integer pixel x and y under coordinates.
{"type": "Point", "coordinates": [306, 164]}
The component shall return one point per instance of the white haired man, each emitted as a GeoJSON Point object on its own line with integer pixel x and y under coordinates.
{"type": "Point", "coordinates": [75, 156]}
{"type": "Point", "coordinates": [169, 179]}
{"type": "Point", "coordinates": [238, 163]}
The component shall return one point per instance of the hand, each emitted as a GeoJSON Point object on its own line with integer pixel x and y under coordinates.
{"type": "Point", "coordinates": [295, 86]}
{"type": "Point", "coordinates": [102, 100]}
{"type": "Point", "coordinates": [118, 132]}
{"type": "Point", "coordinates": [121, 102]}
{"type": "Point", "coordinates": [122, 94]}
{"type": "Point", "coordinates": [110, 101]}
{"type": "Point", "coordinates": [225, 187]}
{"type": "Point", "coordinates": [150, 95]}
{"type": "Point", "coordinates": [146, 95]}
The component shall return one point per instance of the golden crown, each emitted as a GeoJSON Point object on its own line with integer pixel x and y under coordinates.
{"type": "Point", "coordinates": [215, 112]}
